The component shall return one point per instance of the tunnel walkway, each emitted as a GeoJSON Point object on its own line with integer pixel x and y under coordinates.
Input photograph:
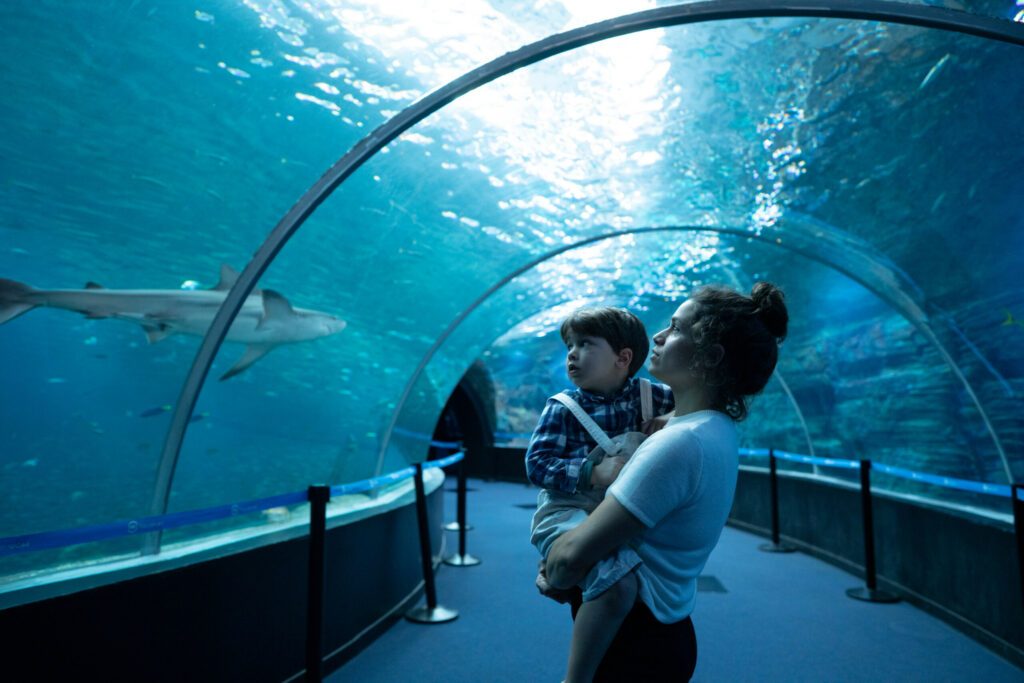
{"type": "Point", "coordinates": [781, 618]}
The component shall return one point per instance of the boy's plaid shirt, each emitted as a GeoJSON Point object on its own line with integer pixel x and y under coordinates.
{"type": "Point", "coordinates": [560, 444]}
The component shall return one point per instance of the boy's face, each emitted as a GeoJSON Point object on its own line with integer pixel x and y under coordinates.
{"type": "Point", "coordinates": [593, 365]}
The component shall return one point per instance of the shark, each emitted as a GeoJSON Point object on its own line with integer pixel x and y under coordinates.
{"type": "Point", "coordinates": [266, 320]}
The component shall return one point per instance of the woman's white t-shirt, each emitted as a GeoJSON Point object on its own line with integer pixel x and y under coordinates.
{"type": "Point", "coordinates": [680, 484]}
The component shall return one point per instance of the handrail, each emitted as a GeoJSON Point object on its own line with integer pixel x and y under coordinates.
{"type": "Point", "coordinates": [14, 545]}
{"type": "Point", "coordinates": [676, 15]}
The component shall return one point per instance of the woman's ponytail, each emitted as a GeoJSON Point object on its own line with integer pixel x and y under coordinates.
{"type": "Point", "coordinates": [749, 331]}
{"type": "Point", "coordinates": [771, 306]}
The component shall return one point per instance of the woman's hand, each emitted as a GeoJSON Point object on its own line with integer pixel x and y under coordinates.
{"type": "Point", "coordinates": [576, 551]}
{"type": "Point", "coordinates": [655, 424]}
{"type": "Point", "coordinates": [545, 588]}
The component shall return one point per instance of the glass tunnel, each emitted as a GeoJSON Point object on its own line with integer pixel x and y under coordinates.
{"type": "Point", "coordinates": [871, 168]}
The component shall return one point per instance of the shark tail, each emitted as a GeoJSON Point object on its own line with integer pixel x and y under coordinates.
{"type": "Point", "coordinates": [15, 299]}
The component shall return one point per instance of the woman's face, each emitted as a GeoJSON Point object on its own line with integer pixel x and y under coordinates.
{"type": "Point", "coordinates": [672, 355]}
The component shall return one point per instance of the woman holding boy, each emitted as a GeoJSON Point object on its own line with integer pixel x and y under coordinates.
{"type": "Point", "coordinates": [670, 502]}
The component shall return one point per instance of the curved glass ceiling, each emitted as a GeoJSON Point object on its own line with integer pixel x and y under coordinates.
{"type": "Point", "coordinates": [871, 169]}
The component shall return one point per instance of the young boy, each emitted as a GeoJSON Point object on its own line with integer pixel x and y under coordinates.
{"type": "Point", "coordinates": [605, 348]}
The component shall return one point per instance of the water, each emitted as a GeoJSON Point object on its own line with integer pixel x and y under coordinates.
{"type": "Point", "coordinates": [872, 170]}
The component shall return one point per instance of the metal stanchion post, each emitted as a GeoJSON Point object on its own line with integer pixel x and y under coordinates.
{"type": "Point", "coordinates": [462, 558]}
{"type": "Point", "coordinates": [432, 613]}
{"type": "Point", "coordinates": [460, 514]}
{"type": "Point", "coordinates": [318, 497]}
{"type": "Point", "coordinates": [1018, 527]}
{"type": "Point", "coordinates": [870, 592]}
{"type": "Point", "coordinates": [775, 546]}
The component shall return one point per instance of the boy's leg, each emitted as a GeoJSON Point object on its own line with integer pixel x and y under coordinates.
{"type": "Point", "coordinates": [597, 622]}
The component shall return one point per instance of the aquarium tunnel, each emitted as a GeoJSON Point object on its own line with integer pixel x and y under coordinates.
{"type": "Point", "coordinates": [250, 246]}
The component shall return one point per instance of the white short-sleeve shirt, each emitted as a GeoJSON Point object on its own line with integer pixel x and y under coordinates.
{"type": "Point", "coordinates": [680, 484]}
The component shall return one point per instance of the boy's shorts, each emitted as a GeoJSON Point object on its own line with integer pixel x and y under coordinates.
{"type": "Point", "coordinates": [559, 512]}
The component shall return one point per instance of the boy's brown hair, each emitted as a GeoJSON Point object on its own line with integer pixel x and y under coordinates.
{"type": "Point", "coordinates": [617, 326]}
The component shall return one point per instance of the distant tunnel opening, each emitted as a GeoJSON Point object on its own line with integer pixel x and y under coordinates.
{"type": "Point", "coordinates": [470, 416]}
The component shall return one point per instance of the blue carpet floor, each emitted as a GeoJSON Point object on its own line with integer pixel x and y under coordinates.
{"type": "Point", "coordinates": [782, 618]}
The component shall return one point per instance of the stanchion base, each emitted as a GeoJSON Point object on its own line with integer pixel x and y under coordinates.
{"type": "Point", "coordinates": [454, 526]}
{"type": "Point", "coordinates": [426, 615]}
{"type": "Point", "coordinates": [776, 548]}
{"type": "Point", "coordinates": [871, 595]}
{"type": "Point", "coordinates": [466, 560]}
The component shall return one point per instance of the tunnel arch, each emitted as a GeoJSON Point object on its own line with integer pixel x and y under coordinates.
{"type": "Point", "coordinates": [714, 10]}
{"type": "Point", "coordinates": [893, 302]}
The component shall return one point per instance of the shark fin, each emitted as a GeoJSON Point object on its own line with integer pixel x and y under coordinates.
{"type": "Point", "coordinates": [275, 307]}
{"type": "Point", "coordinates": [93, 285]}
{"type": "Point", "coordinates": [13, 300]}
{"type": "Point", "coordinates": [252, 354]}
{"type": "Point", "coordinates": [155, 333]}
{"type": "Point", "coordinates": [228, 275]}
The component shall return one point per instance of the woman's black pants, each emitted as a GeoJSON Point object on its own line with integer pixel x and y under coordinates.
{"type": "Point", "coordinates": [647, 650]}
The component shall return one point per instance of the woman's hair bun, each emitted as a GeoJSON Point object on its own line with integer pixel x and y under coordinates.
{"type": "Point", "coordinates": [771, 306]}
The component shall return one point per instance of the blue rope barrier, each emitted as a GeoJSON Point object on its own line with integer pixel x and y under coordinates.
{"type": "Point", "coordinates": [1002, 490]}
{"type": "Point", "coordinates": [445, 462]}
{"type": "Point", "coordinates": [13, 545]}
{"type": "Point", "coordinates": [101, 532]}
{"type": "Point", "coordinates": [823, 462]}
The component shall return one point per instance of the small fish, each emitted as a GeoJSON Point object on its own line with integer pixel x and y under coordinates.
{"type": "Point", "coordinates": [1010, 321]}
{"type": "Point", "coordinates": [159, 410]}
{"type": "Point", "coordinates": [152, 181]}
{"type": "Point", "coordinates": [30, 463]}
{"type": "Point", "coordinates": [934, 72]}
{"type": "Point", "coordinates": [278, 514]}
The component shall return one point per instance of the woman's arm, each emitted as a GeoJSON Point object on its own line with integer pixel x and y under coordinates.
{"type": "Point", "coordinates": [604, 530]}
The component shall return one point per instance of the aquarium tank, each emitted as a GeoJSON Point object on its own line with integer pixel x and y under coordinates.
{"type": "Point", "coordinates": [872, 169]}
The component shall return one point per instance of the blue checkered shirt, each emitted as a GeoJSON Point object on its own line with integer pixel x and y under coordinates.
{"type": "Point", "coordinates": [560, 444]}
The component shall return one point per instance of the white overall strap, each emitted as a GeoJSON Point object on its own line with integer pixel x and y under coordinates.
{"type": "Point", "coordinates": [646, 400]}
{"type": "Point", "coordinates": [609, 446]}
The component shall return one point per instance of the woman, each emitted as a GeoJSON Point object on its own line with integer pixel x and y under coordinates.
{"type": "Point", "coordinates": [671, 500]}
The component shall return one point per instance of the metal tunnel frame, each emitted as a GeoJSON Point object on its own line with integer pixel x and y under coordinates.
{"type": "Point", "coordinates": [698, 12]}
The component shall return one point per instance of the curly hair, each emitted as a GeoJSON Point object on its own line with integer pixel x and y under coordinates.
{"type": "Point", "coordinates": [620, 328]}
{"type": "Point", "coordinates": [749, 330]}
